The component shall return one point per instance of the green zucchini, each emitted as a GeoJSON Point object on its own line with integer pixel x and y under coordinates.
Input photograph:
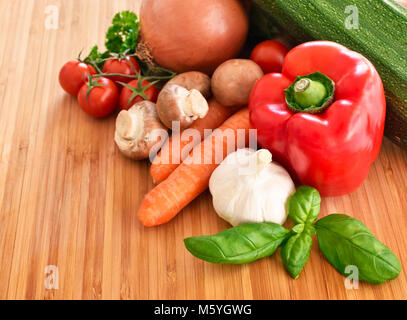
{"type": "Point", "coordinates": [381, 36]}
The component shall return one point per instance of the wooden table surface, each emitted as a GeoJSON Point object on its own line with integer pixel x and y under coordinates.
{"type": "Point", "coordinates": [69, 199]}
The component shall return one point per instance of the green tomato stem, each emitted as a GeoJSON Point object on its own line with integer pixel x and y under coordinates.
{"type": "Point", "coordinates": [149, 78]}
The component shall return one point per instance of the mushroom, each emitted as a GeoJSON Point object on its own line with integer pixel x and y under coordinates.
{"type": "Point", "coordinates": [138, 130]}
{"type": "Point", "coordinates": [194, 80]}
{"type": "Point", "coordinates": [233, 81]}
{"type": "Point", "coordinates": [176, 103]}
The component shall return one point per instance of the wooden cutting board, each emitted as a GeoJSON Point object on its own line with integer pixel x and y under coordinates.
{"type": "Point", "coordinates": [69, 199]}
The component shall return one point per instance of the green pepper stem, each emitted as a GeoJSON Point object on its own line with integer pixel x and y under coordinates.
{"type": "Point", "coordinates": [302, 85]}
{"type": "Point", "coordinates": [311, 93]}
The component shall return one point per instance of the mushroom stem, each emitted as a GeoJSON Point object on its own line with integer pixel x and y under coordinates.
{"type": "Point", "coordinates": [195, 104]}
{"type": "Point", "coordinates": [264, 158]}
{"type": "Point", "coordinates": [127, 125]}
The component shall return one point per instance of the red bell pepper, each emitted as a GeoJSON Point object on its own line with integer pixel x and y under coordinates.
{"type": "Point", "coordinates": [322, 117]}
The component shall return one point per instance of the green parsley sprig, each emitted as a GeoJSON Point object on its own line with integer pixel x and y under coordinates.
{"type": "Point", "coordinates": [122, 39]}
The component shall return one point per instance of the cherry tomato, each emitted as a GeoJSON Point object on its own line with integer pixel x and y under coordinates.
{"type": "Point", "coordinates": [73, 76]}
{"type": "Point", "coordinates": [102, 100]}
{"type": "Point", "coordinates": [139, 93]}
{"type": "Point", "coordinates": [269, 55]}
{"type": "Point", "coordinates": [121, 66]}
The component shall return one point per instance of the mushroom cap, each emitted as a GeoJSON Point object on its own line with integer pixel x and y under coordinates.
{"type": "Point", "coordinates": [233, 81]}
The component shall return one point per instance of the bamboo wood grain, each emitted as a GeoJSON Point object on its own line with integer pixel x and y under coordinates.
{"type": "Point", "coordinates": [68, 198]}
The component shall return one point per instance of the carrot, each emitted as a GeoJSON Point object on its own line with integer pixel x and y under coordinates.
{"type": "Point", "coordinates": [163, 164]}
{"type": "Point", "coordinates": [189, 180]}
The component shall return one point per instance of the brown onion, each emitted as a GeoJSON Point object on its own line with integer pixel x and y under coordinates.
{"type": "Point", "coordinates": [193, 35]}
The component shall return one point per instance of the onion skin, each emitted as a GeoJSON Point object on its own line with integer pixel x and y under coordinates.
{"type": "Point", "coordinates": [193, 35]}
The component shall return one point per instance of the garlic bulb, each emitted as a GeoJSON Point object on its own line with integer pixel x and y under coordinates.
{"type": "Point", "coordinates": [248, 187]}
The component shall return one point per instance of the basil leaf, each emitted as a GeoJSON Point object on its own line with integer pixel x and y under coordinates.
{"type": "Point", "coordinates": [241, 244]}
{"type": "Point", "coordinates": [304, 205]}
{"type": "Point", "coordinates": [298, 228]}
{"type": "Point", "coordinates": [296, 251]}
{"type": "Point", "coordinates": [346, 241]}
